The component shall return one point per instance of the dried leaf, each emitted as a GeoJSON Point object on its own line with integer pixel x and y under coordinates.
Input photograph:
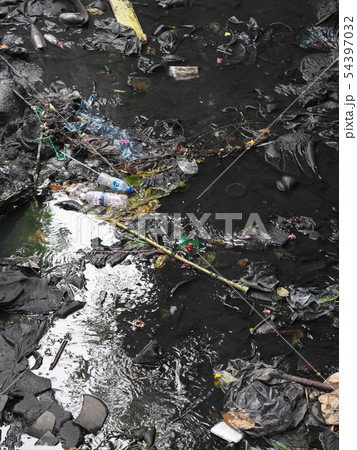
{"type": "Point", "coordinates": [242, 262]}
{"type": "Point", "coordinates": [160, 262]}
{"type": "Point", "coordinates": [223, 377]}
{"type": "Point", "coordinates": [282, 292]}
{"type": "Point", "coordinates": [333, 379]}
{"type": "Point", "coordinates": [238, 420]}
{"type": "Point", "coordinates": [330, 407]}
{"type": "Point", "coordinates": [95, 11]}
{"type": "Point", "coordinates": [55, 187]}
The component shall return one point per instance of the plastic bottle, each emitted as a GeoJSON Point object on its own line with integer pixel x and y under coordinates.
{"type": "Point", "coordinates": [37, 39]}
{"type": "Point", "coordinates": [105, 199]}
{"type": "Point", "coordinates": [184, 72]}
{"type": "Point", "coordinates": [114, 183]}
{"type": "Point", "coordinates": [53, 40]}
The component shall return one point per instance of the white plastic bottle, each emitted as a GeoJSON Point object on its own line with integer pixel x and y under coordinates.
{"type": "Point", "coordinates": [114, 183]}
{"type": "Point", "coordinates": [105, 199]}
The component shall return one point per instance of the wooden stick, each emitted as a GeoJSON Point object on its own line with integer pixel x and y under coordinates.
{"type": "Point", "coordinates": [307, 382]}
{"type": "Point", "coordinates": [230, 283]}
{"type": "Point", "coordinates": [59, 353]}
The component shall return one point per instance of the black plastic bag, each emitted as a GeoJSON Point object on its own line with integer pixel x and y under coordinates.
{"type": "Point", "coordinates": [260, 391]}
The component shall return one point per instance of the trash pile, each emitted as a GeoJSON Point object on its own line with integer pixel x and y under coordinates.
{"type": "Point", "coordinates": [262, 401]}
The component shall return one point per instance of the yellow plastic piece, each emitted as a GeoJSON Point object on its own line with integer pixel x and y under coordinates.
{"type": "Point", "coordinates": [124, 13]}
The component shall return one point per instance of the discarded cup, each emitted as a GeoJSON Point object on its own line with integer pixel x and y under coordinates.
{"type": "Point", "coordinates": [184, 72]}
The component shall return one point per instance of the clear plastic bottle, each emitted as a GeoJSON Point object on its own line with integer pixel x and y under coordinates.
{"type": "Point", "coordinates": [114, 183]}
{"type": "Point", "coordinates": [37, 39]}
{"type": "Point", "coordinates": [53, 40]}
{"type": "Point", "coordinates": [105, 199]}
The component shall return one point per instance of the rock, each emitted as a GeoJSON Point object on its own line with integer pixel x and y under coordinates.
{"type": "Point", "coordinates": [48, 439]}
{"type": "Point", "coordinates": [70, 205]}
{"type": "Point", "coordinates": [9, 104]}
{"type": "Point", "coordinates": [43, 424]}
{"type": "Point", "coordinates": [61, 415]}
{"type": "Point", "coordinates": [149, 355]}
{"type": "Point", "coordinates": [93, 414]}
{"type": "Point", "coordinates": [3, 400]}
{"type": "Point", "coordinates": [69, 308]}
{"type": "Point", "coordinates": [30, 408]}
{"type": "Point", "coordinates": [30, 383]}
{"type": "Point", "coordinates": [76, 280]}
{"type": "Point", "coordinates": [71, 435]}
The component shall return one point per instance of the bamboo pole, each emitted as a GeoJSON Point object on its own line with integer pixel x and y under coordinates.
{"type": "Point", "coordinates": [230, 283]}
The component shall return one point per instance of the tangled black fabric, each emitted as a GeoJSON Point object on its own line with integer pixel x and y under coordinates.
{"type": "Point", "coordinates": [20, 293]}
{"type": "Point", "coordinates": [17, 342]}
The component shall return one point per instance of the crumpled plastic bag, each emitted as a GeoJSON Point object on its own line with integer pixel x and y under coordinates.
{"type": "Point", "coordinates": [260, 276]}
{"type": "Point", "coordinates": [312, 303]}
{"type": "Point", "coordinates": [293, 154]}
{"type": "Point", "coordinates": [311, 66]}
{"type": "Point", "coordinates": [111, 34]}
{"type": "Point", "coordinates": [322, 36]}
{"type": "Point", "coordinates": [258, 390]}
{"type": "Point", "coordinates": [254, 237]}
{"type": "Point", "coordinates": [241, 46]}
{"type": "Point", "coordinates": [172, 3]}
{"type": "Point", "coordinates": [169, 40]}
{"type": "Point", "coordinates": [88, 123]}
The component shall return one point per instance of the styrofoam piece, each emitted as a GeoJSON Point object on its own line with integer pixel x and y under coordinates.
{"type": "Point", "coordinates": [224, 431]}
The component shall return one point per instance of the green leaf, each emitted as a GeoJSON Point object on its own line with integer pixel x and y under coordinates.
{"type": "Point", "coordinates": [282, 447]}
{"type": "Point", "coordinates": [134, 180]}
{"type": "Point", "coordinates": [206, 260]}
{"type": "Point", "coordinates": [134, 244]}
{"type": "Point", "coordinates": [329, 297]}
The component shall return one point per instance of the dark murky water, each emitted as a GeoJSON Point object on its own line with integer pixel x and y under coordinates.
{"type": "Point", "coordinates": [192, 326]}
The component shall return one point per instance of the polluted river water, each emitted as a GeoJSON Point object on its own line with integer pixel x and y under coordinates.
{"type": "Point", "coordinates": [200, 324]}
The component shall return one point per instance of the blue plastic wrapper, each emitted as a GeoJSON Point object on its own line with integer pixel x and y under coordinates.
{"type": "Point", "coordinates": [129, 147]}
